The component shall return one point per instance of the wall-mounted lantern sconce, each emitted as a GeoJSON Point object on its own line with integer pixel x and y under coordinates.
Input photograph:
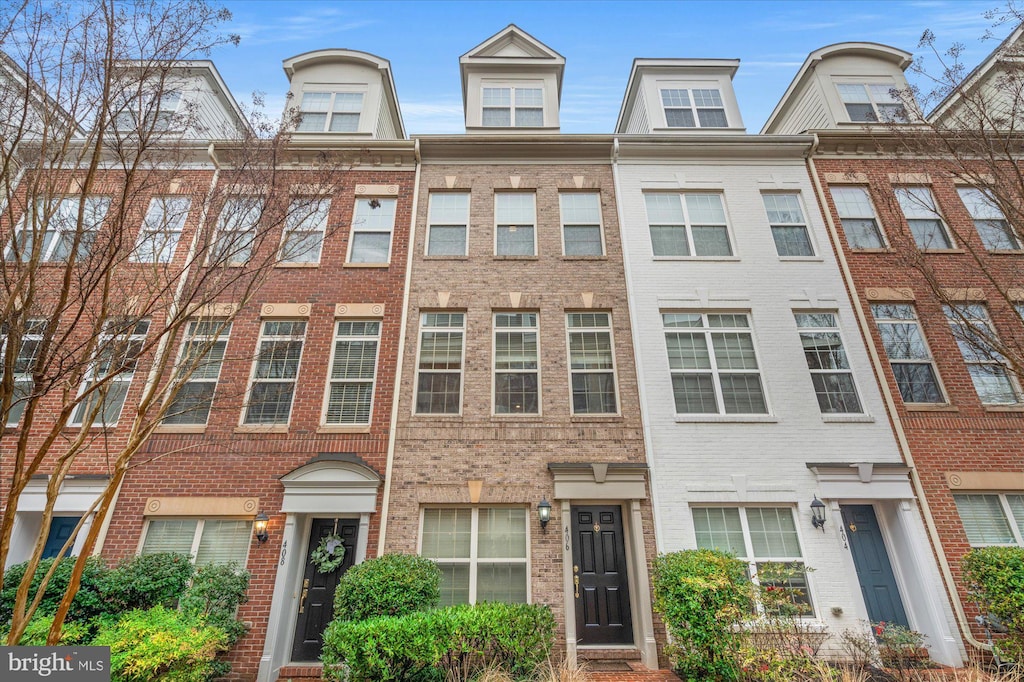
{"type": "Point", "coordinates": [259, 525]}
{"type": "Point", "coordinates": [818, 514]}
{"type": "Point", "coordinates": [544, 512]}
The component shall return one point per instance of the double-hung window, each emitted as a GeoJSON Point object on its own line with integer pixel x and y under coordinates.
{"type": "Point", "coordinates": [448, 224]}
{"type": "Point", "coordinates": [24, 364]}
{"type": "Point", "coordinates": [52, 226]}
{"type": "Point", "coordinates": [872, 102]}
{"type": "Point", "coordinates": [713, 364]}
{"type": "Point", "coordinates": [207, 541]}
{"type": "Point", "coordinates": [918, 206]}
{"type": "Point", "coordinates": [275, 372]}
{"type": "Point", "coordinates": [858, 217]}
{"type": "Point", "coordinates": [694, 108]}
{"type": "Point", "coordinates": [516, 373]}
{"type": "Point", "coordinates": [439, 371]}
{"type": "Point", "coordinates": [373, 221]}
{"type": "Point", "coordinates": [117, 354]}
{"type": "Point", "coordinates": [518, 107]}
{"type": "Point", "coordinates": [202, 354]}
{"type": "Point", "coordinates": [909, 357]}
{"type": "Point", "coordinates": [515, 224]}
{"type": "Point", "coordinates": [304, 229]}
{"type": "Point", "coordinates": [789, 229]}
{"type": "Point", "coordinates": [353, 372]}
{"type": "Point", "coordinates": [977, 340]}
{"type": "Point", "coordinates": [236, 231]}
{"type": "Point", "coordinates": [591, 363]}
{"type": "Point", "coordinates": [481, 551]}
{"type": "Point", "coordinates": [161, 229]}
{"type": "Point", "coordinates": [827, 361]}
{"type": "Point", "coordinates": [336, 112]}
{"type": "Point", "coordinates": [992, 519]}
{"type": "Point", "coordinates": [692, 224]}
{"type": "Point", "coordinates": [581, 224]}
{"type": "Point", "coordinates": [992, 226]}
{"type": "Point", "coordinates": [758, 536]}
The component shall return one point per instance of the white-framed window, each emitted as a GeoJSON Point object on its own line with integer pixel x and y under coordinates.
{"type": "Point", "coordinates": [757, 536]}
{"type": "Point", "coordinates": [513, 107]}
{"type": "Point", "coordinates": [826, 359]}
{"type": "Point", "coordinates": [992, 226]}
{"type": "Point", "coordinates": [305, 224]}
{"type": "Point", "coordinates": [439, 370]}
{"type": "Point", "coordinates": [202, 354]}
{"type": "Point", "coordinates": [975, 336]}
{"type": "Point", "coordinates": [353, 372]}
{"type": "Point", "coordinates": [591, 363]}
{"type": "Point", "coordinates": [692, 224]}
{"type": "Point", "coordinates": [24, 363]}
{"type": "Point", "coordinates": [482, 553]}
{"type": "Point", "coordinates": [858, 217]}
{"type": "Point", "coordinates": [448, 224]}
{"type": "Point", "coordinates": [926, 225]}
{"type": "Point", "coordinates": [160, 108]}
{"type": "Point", "coordinates": [236, 230]}
{"type": "Point", "coordinates": [516, 364]}
{"type": "Point", "coordinates": [335, 112]}
{"type": "Point", "coordinates": [207, 541]}
{"type": "Point", "coordinates": [694, 108]}
{"type": "Point", "coordinates": [581, 224]}
{"type": "Point", "coordinates": [789, 228]}
{"type": "Point", "coordinates": [909, 355]}
{"type": "Point", "coordinates": [57, 237]}
{"type": "Point", "coordinates": [992, 518]}
{"type": "Point", "coordinates": [872, 102]}
{"type": "Point", "coordinates": [713, 363]}
{"type": "Point", "coordinates": [515, 219]}
{"type": "Point", "coordinates": [161, 229]}
{"type": "Point", "coordinates": [117, 354]}
{"type": "Point", "coordinates": [275, 372]}
{"type": "Point", "coordinates": [373, 221]}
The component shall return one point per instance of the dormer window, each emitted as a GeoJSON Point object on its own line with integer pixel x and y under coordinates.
{"type": "Point", "coordinates": [161, 107]}
{"type": "Point", "coordinates": [872, 102]}
{"type": "Point", "coordinates": [694, 108]}
{"type": "Point", "coordinates": [519, 107]}
{"type": "Point", "coordinates": [335, 112]}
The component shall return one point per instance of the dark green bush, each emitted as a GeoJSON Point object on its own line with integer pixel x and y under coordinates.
{"type": "Point", "coordinates": [390, 585]}
{"type": "Point", "coordinates": [453, 643]}
{"type": "Point", "coordinates": [89, 601]}
{"type": "Point", "coordinates": [146, 580]}
{"type": "Point", "coordinates": [214, 595]}
{"type": "Point", "coordinates": [995, 578]}
{"type": "Point", "coordinates": [39, 627]}
{"type": "Point", "coordinates": [703, 596]}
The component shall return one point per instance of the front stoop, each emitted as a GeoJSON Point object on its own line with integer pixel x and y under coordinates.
{"type": "Point", "coordinates": [609, 660]}
{"type": "Point", "coordinates": [300, 673]}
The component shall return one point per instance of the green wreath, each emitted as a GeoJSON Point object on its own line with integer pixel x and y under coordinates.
{"type": "Point", "coordinates": [329, 554]}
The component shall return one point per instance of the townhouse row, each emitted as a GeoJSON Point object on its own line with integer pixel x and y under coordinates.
{"type": "Point", "coordinates": [541, 359]}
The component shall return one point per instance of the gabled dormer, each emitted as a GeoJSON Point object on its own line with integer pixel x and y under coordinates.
{"type": "Point", "coordinates": [680, 96]}
{"type": "Point", "coordinates": [187, 99]}
{"type": "Point", "coordinates": [846, 85]}
{"type": "Point", "coordinates": [343, 94]}
{"type": "Point", "coordinates": [511, 83]}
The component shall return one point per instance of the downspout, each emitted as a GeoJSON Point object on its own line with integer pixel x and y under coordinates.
{"type": "Point", "coordinates": [386, 498]}
{"type": "Point", "coordinates": [890, 404]}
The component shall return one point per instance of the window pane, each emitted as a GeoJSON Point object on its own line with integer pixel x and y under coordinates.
{"type": "Point", "coordinates": [836, 393]}
{"type": "Point", "coordinates": [705, 208]}
{"type": "Point", "coordinates": [1016, 503]}
{"type": "Point", "coordinates": [792, 241]}
{"type": "Point", "coordinates": [454, 584]}
{"type": "Point", "coordinates": [501, 582]}
{"type": "Point", "coordinates": [371, 247]}
{"type": "Point", "coordinates": [224, 541]}
{"type": "Point", "coordinates": [529, 118]}
{"type": "Point", "coordinates": [583, 240]}
{"type": "Point", "coordinates": [679, 118]}
{"type": "Point", "coordinates": [515, 240]}
{"type": "Point", "coordinates": [593, 393]}
{"type": "Point", "coordinates": [438, 393]}
{"type": "Point", "coordinates": [711, 241]}
{"type": "Point", "coordinates": [447, 240]}
{"type": "Point", "coordinates": [742, 394]}
{"type": "Point", "coordinates": [712, 118]}
{"type": "Point", "coordinates": [917, 382]}
{"type": "Point", "coordinates": [497, 118]}
{"type": "Point", "coordinates": [773, 532]}
{"type": "Point", "coordinates": [719, 528]}
{"type": "Point", "coordinates": [694, 394]}
{"type": "Point", "coordinates": [269, 403]}
{"type": "Point", "coordinates": [669, 240]}
{"type": "Point", "coordinates": [192, 404]}
{"type": "Point", "coordinates": [983, 519]}
{"type": "Point", "coordinates": [447, 533]}
{"type": "Point", "coordinates": [514, 208]}
{"type": "Point", "coordinates": [688, 351]}
{"type": "Point", "coordinates": [502, 533]}
{"type": "Point", "coordinates": [169, 535]}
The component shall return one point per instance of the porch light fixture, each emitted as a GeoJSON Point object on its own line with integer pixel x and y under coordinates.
{"type": "Point", "coordinates": [259, 525]}
{"type": "Point", "coordinates": [818, 514]}
{"type": "Point", "coordinates": [544, 512]}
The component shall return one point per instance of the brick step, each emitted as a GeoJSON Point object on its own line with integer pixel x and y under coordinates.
{"type": "Point", "coordinates": [300, 673]}
{"type": "Point", "coordinates": [617, 654]}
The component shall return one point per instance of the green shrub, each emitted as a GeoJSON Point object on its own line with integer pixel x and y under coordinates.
{"type": "Point", "coordinates": [390, 585]}
{"type": "Point", "coordinates": [214, 594]}
{"type": "Point", "coordinates": [703, 596]}
{"type": "Point", "coordinates": [146, 580]}
{"type": "Point", "coordinates": [453, 643]}
{"type": "Point", "coordinates": [39, 627]}
{"type": "Point", "coordinates": [88, 603]}
{"type": "Point", "coordinates": [161, 644]}
{"type": "Point", "coordinates": [995, 578]}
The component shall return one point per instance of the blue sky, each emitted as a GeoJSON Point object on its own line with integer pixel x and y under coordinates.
{"type": "Point", "coordinates": [424, 39]}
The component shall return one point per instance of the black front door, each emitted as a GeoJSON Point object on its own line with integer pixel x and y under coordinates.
{"type": "Point", "coordinates": [316, 600]}
{"type": "Point", "coordinates": [877, 582]}
{"type": "Point", "coordinates": [600, 587]}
